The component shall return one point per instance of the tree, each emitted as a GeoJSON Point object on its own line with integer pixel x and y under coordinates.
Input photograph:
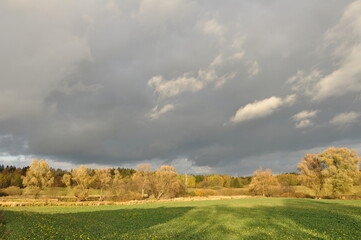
{"type": "Point", "coordinates": [118, 184]}
{"type": "Point", "coordinates": [142, 177]}
{"type": "Point", "coordinates": [263, 182]}
{"type": "Point", "coordinates": [66, 179]}
{"type": "Point", "coordinates": [227, 181]}
{"type": "Point", "coordinates": [288, 179]}
{"type": "Point", "coordinates": [83, 180]}
{"type": "Point", "coordinates": [189, 181]}
{"type": "Point", "coordinates": [332, 173]}
{"type": "Point", "coordinates": [104, 179]}
{"type": "Point", "coordinates": [38, 177]}
{"type": "Point", "coordinates": [215, 181]}
{"type": "Point", "coordinates": [166, 182]}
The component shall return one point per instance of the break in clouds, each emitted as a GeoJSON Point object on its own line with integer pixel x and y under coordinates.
{"type": "Point", "coordinates": [207, 86]}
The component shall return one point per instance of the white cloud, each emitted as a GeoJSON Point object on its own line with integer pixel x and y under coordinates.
{"type": "Point", "coordinates": [305, 114]}
{"type": "Point", "coordinates": [155, 114]}
{"type": "Point", "coordinates": [260, 109]}
{"type": "Point", "coordinates": [305, 82]}
{"type": "Point", "coordinates": [213, 27]}
{"type": "Point", "coordinates": [290, 99]}
{"type": "Point", "coordinates": [304, 123]}
{"type": "Point", "coordinates": [187, 83]}
{"type": "Point", "coordinates": [345, 118]}
{"type": "Point", "coordinates": [253, 69]}
{"type": "Point", "coordinates": [303, 120]}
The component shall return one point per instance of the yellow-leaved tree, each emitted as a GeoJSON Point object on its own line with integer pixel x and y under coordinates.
{"type": "Point", "coordinates": [263, 183]}
{"type": "Point", "coordinates": [82, 177]}
{"type": "Point", "coordinates": [332, 173]}
{"type": "Point", "coordinates": [104, 179]}
{"type": "Point", "coordinates": [38, 177]}
{"type": "Point", "coordinates": [166, 184]}
{"type": "Point", "coordinates": [142, 178]}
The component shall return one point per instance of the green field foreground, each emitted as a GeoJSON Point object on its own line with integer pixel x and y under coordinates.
{"type": "Point", "coordinates": [253, 218]}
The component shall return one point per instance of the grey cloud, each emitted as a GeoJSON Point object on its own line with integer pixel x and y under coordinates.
{"type": "Point", "coordinates": [74, 82]}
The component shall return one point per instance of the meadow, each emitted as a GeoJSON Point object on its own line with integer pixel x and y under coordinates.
{"type": "Point", "coordinates": [252, 218]}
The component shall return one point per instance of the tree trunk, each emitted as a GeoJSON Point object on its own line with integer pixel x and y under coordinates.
{"type": "Point", "coordinates": [159, 195]}
{"type": "Point", "coordinates": [101, 194]}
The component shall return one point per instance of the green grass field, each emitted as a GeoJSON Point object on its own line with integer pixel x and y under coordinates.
{"type": "Point", "coordinates": [259, 218]}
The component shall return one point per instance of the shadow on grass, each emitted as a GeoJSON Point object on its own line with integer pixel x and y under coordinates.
{"type": "Point", "coordinates": [295, 219]}
{"type": "Point", "coordinates": [109, 224]}
{"type": "Point", "coordinates": [274, 219]}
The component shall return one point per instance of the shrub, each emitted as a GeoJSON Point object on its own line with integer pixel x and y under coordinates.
{"type": "Point", "coordinates": [3, 194]}
{"type": "Point", "coordinates": [12, 191]}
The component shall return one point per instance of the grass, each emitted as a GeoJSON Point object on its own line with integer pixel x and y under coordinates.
{"type": "Point", "coordinates": [261, 218]}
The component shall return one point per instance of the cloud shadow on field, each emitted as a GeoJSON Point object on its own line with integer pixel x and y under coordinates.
{"type": "Point", "coordinates": [108, 224]}
{"type": "Point", "coordinates": [231, 219]}
{"type": "Point", "coordinates": [294, 219]}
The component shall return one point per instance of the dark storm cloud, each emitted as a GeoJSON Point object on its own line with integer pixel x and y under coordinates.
{"type": "Point", "coordinates": [204, 85]}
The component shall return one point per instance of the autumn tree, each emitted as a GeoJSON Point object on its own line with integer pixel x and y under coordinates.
{"type": "Point", "coordinates": [313, 174]}
{"type": "Point", "coordinates": [104, 179]}
{"type": "Point", "coordinates": [38, 177]}
{"type": "Point", "coordinates": [166, 182]}
{"type": "Point", "coordinates": [66, 179]}
{"type": "Point", "coordinates": [189, 181]}
{"type": "Point", "coordinates": [215, 181]}
{"type": "Point", "coordinates": [81, 176]}
{"type": "Point", "coordinates": [263, 182]}
{"type": "Point", "coordinates": [142, 177]}
{"type": "Point", "coordinates": [332, 173]}
{"type": "Point", "coordinates": [288, 179]}
{"type": "Point", "coordinates": [227, 181]}
{"type": "Point", "coordinates": [118, 184]}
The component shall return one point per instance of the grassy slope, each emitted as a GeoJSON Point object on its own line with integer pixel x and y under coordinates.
{"type": "Point", "coordinates": [219, 219]}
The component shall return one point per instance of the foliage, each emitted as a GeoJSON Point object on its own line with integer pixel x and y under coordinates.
{"type": "Point", "coordinates": [165, 183]}
{"type": "Point", "coordinates": [81, 176]}
{"type": "Point", "coordinates": [263, 183]}
{"type": "Point", "coordinates": [12, 191]}
{"type": "Point", "coordinates": [142, 178]}
{"type": "Point", "coordinates": [104, 179]}
{"type": "Point", "coordinates": [332, 173]}
{"type": "Point", "coordinates": [256, 218]}
{"type": "Point", "coordinates": [188, 181]}
{"type": "Point", "coordinates": [11, 176]}
{"type": "Point", "coordinates": [38, 177]}
{"type": "Point", "coordinates": [288, 179]}
{"type": "Point", "coordinates": [215, 181]}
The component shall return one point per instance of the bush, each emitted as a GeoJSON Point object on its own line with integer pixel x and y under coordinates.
{"type": "Point", "coordinates": [12, 191]}
{"type": "Point", "coordinates": [32, 190]}
{"type": "Point", "coordinates": [3, 194]}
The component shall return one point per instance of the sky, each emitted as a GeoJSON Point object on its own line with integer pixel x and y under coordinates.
{"type": "Point", "coordinates": [206, 86]}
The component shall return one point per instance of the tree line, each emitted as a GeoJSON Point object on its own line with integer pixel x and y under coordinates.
{"type": "Point", "coordinates": [332, 174]}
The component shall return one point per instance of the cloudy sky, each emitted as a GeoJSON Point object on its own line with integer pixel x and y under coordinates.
{"type": "Point", "coordinates": [207, 86]}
